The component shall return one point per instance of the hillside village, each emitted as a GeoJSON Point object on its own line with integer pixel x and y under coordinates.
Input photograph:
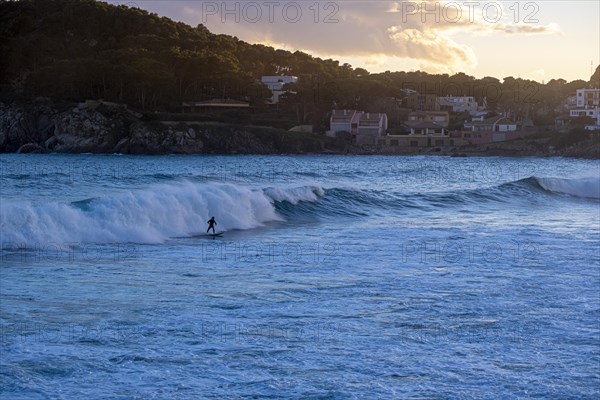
{"type": "Point", "coordinates": [428, 122]}
{"type": "Point", "coordinates": [428, 117]}
{"type": "Point", "coordinates": [150, 84]}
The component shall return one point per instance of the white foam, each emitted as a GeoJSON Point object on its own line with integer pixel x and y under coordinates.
{"type": "Point", "coordinates": [150, 215]}
{"type": "Point", "coordinates": [588, 187]}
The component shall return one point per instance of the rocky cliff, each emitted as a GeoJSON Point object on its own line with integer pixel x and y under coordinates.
{"type": "Point", "coordinates": [101, 127]}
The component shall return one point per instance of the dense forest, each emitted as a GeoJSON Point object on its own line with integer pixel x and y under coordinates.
{"type": "Point", "coordinates": [71, 50]}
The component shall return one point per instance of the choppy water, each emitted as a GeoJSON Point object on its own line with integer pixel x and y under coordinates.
{"type": "Point", "coordinates": [337, 277]}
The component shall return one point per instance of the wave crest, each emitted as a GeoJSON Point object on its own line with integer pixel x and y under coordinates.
{"type": "Point", "coordinates": [588, 187]}
{"type": "Point", "coordinates": [148, 216]}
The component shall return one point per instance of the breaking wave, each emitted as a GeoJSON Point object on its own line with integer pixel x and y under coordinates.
{"type": "Point", "coordinates": [181, 209]}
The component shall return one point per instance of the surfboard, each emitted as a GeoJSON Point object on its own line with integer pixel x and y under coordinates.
{"type": "Point", "coordinates": [218, 234]}
{"type": "Point", "coordinates": [204, 234]}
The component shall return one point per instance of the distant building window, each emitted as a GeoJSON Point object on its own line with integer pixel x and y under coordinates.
{"type": "Point", "coordinates": [414, 143]}
{"type": "Point", "coordinates": [439, 142]}
{"type": "Point", "coordinates": [394, 142]}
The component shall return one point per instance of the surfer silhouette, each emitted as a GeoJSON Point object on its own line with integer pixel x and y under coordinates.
{"type": "Point", "coordinates": [211, 224]}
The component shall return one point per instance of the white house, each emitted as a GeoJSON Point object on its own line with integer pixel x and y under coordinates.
{"type": "Point", "coordinates": [494, 124]}
{"type": "Point", "coordinates": [374, 124]}
{"type": "Point", "coordinates": [276, 84]}
{"type": "Point", "coordinates": [426, 128]}
{"type": "Point", "coordinates": [588, 105]}
{"type": "Point", "coordinates": [588, 98]}
{"type": "Point", "coordinates": [343, 121]}
{"type": "Point", "coordinates": [363, 127]}
{"type": "Point", "coordinates": [438, 117]}
{"type": "Point", "coordinates": [585, 112]}
{"type": "Point", "coordinates": [458, 104]}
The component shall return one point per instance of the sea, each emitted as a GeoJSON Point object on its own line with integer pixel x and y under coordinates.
{"type": "Point", "coordinates": [336, 277]}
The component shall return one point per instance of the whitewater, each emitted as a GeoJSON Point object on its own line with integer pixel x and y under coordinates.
{"type": "Point", "coordinates": [336, 277]}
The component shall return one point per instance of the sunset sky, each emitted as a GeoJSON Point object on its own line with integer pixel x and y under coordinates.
{"type": "Point", "coordinates": [543, 40]}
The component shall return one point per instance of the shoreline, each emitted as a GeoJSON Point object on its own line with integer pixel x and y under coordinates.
{"type": "Point", "coordinates": [481, 154]}
{"type": "Point", "coordinates": [108, 128]}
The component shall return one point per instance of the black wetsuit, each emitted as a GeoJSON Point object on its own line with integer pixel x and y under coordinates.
{"type": "Point", "coordinates": [211, 225]}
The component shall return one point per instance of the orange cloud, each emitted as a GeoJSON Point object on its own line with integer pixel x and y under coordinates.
{"type": "Point", "coordinates": [363, 29]}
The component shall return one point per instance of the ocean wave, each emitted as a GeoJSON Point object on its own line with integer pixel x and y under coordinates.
{"type": "Point", "coordinates": [586, 187]}
{"type": "Point", "coordinates": [179, 209]}
{"type": "Point", "coordinates": [582, 187]}
{"type": "Point", "coordinates": [149, 216]}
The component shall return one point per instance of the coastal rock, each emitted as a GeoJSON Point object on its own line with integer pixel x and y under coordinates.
{"type": "Point", "coordinates": [31, 148]}
{"type": "Point", "coordinates": [143, 140]}
{"type": "Point", "coordinates": [156, 138]}
{"type": "Point", "coordinates": [51, 143]}
{"type": "Point", "coordinates": [588, 149]}
{"type": "Point", "coordinates": [102, 127]}
{"type": "Point", "coordinates": [23, 125]}
{"type": "Point", "coordinates": [87, 130]}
